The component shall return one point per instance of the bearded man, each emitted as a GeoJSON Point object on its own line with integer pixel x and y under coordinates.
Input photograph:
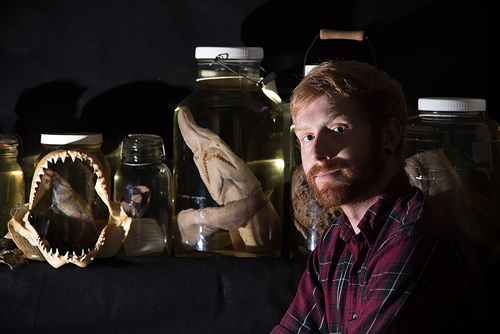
{"type": "Point", "coordinates": [390, 263]}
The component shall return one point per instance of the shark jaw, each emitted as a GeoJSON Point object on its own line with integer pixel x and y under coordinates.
{"type": "Point", "coordinates": [34, 247]}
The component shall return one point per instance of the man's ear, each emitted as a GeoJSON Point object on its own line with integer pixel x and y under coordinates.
{"type": "Point", "coordinates": [391, 134]}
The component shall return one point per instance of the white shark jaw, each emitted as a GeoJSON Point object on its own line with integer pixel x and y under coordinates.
{"type": "Point", "coordinates": [110, 238]}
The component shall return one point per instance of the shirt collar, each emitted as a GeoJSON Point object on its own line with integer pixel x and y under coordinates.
{"type": "Point", "coordinates": [375, 217]}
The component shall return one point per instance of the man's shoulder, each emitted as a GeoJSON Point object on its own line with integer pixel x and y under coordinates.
{"type": "Point", "coordinates": [414, 214]}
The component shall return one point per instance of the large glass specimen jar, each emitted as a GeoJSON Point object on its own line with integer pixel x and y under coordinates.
{"type": "Point", "coordinates": [453, 155]}
{"type": "Point", "coordinates": [228, 160]}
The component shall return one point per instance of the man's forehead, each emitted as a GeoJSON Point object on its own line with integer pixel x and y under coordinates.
{"type": "Point", "coordinates": [341, 104]}
{"type": "Point", "coordinates": [335, 105]}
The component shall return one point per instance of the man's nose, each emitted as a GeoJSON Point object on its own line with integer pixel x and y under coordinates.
{"type": "Point", "coordinates": [324, 147]}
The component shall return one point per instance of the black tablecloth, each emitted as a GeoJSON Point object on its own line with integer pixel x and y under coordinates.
{"type": "Point", "coordinates": [149, 295]}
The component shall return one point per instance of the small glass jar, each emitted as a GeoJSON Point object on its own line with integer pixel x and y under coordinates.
{"type": "Point", "coordinates": [11, 180]}
{"type": "Point", "coordinates": [452, 152]}
{"type": "Point", "coordinates": [142, 187]}
{"type": "Point", "coordinates": [221, 218]}
{"type": "Point", "coordinates": [70, 214]}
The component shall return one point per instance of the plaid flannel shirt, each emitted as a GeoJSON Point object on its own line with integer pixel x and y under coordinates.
{"type": "Point", "coordinates": [408, 271]}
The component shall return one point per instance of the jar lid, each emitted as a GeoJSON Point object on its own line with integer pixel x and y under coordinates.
{"type": "Point", "coordinates": [234, 53]}
{"type": "Point", "coordinates": [71, 138]}
{"type": "Point", "coordinates": [308, 68]}
{"type": "Point", "coordinates": [451, 104]}
{"type": "Point", "coordinates": [8, 140]}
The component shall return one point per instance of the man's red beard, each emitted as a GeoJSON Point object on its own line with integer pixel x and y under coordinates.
{"type": "Point", "coordinates": [349, 183]}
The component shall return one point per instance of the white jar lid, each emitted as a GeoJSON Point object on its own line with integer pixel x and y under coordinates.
{"type": "Point", "coordinates": [308, 68]}
{"type": "Point", "coordinates": [71, 138]}
{"type": "Point", "coordinates": [234, 53]}
{"type": "Point", "coordinates": [451, 104]}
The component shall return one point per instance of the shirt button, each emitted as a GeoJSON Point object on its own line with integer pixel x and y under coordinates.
{"type": "Point", "coordinates": [359, 271]}
{"type": "Point", "coordinates": [354, 316]}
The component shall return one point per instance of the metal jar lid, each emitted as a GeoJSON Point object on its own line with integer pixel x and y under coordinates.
{"type": "Point", "coordinates": [234, 53]}
{"type": "Point", "coordinates": [7, 139]}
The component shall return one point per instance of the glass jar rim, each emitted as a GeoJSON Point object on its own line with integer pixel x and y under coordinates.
{"type": "Point", "coordinates": [136, 141]}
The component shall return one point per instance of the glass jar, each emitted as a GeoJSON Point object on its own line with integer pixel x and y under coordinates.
{"type": "Point", "coordinates": [69, 213]}
{"type": "Point", "coordinates": [11, 180]}
{"type": "Point", "coordinates": [453, 155]}
{"type": "Point", "coordinates": [229, 194]}
{"type": "Point", "coordinates": [91, 142]}
{"type": "Point", "coordinates": [142, 187]}
{"type": "Point", "coordinates": [309, 218]}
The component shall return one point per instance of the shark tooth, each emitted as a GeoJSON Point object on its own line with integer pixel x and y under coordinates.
{"type": "Point", "coordinates": [73, 156]}
{"type": "Point", "coordinates": [63, 156]}
{"type": "Point", "coordinates": [37, 179]}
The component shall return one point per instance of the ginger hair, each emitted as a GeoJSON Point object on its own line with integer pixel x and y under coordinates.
{"type": "Point", "coordinates": [380, 95]}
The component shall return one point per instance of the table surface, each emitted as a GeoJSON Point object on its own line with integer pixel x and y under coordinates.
{"type": "Point", "coordinates": [157, 295]}
{"type": "Point", "coordinates": [149, 295]}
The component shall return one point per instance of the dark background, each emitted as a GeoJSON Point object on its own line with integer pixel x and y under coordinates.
{"type": "Point", "coordinates": [121, 66]}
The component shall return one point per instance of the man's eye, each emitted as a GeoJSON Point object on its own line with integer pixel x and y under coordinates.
{"type": "Point", "coordinates": [339, 129]}
{"type": "Point", "coordinates": [308, 138]}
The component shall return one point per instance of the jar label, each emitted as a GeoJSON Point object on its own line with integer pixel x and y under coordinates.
{"type": "Point", "coordinates": [145, 237]}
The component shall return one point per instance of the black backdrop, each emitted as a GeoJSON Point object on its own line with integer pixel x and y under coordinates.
{"type": "Point", "coordinates": [69, 65]}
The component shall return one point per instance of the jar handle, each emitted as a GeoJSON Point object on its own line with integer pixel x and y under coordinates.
{"type": "Point", "coordinates": [355, 35]}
